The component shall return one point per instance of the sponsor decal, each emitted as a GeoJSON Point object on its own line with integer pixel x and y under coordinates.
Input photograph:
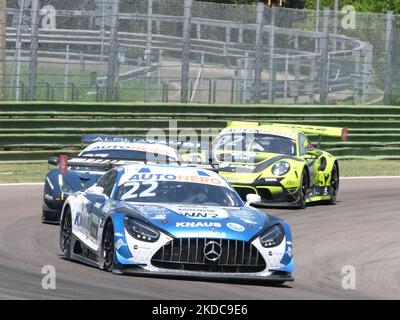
{"type": "Point", "coordinates": [271, 131]}
{"type": "Point", "coordinates": [231, 179]}
{"type": "Point", "coordinates": [248, 221]}
{"type": "Point", "coordinates": [48, 197]}
{"type": "Point", "coordinates": [235, 227]}
{"type": "Point", "coordinates": [172, 177]}
{"type": "Point", "coordinates": [200, 212]}
{"type": "Point", "coordinates": [119, 244]}
{"type": "Point", "coordinates": [198, 225]}
{"type": "Point", "coordinates": [289, 251]}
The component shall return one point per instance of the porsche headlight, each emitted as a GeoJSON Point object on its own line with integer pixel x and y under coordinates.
{"type": "Point", "coordinates": [140, 230]}
{"type": "Point", "coordinates": [272, 237]}
{"type": "Point", "coordinates": [280, 168]}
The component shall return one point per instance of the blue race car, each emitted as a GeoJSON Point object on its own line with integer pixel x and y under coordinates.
{"type": "Point", "coordinates": [84, 170]}
{"type": "Point", "coordinates": [174, 221]}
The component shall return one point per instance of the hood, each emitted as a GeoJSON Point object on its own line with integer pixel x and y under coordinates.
{"type": "Point", "coordinates": [244, 157]}
{"type": "Point", "coordinates": [191, 221]}
{"type": "Point", "coordinates": [81, 180]}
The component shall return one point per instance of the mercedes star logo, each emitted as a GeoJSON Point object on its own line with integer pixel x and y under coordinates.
{"type": "Point", "coordinates": [212, 251]}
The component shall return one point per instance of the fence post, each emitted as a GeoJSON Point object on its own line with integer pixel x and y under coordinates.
{"type": "Point", "coordinates": [149, 31]}
{"type": "Point", "coordinates": [324, 85]}
{"type": "Point", "coordinates": [317, 12]}
{"type": "Point", "coordinates": [17, 56]}
{"type": "Point", "coordinates": [271, 94]}
{"type": "Point", "coordinates": [113, 57]}
{"type": "Point", "coordinates": [186, 50]}
{"type": "Point", "coordinates": [66, 74]}
{"type": "Point", "coordinates": [3, 55]}
{"type": "Point", "coordinates": [367, 72]}
{"type": "Point", "coordinates": [258, 52]}
{"type": "Point", "coordinates": [285, 90]}
{"type": "Point", "coordinates": [296, 71]}
{"type": "Point", "coordinates": [240, 35]}
{"type": "Point", "coordinates": [335, 23]}
{"type": "Point", "coordinates": [33, 61]}
{"type": "Point", "coordinates": [357, 73]}
{"type": "Point", "coordinates": [388, 59]}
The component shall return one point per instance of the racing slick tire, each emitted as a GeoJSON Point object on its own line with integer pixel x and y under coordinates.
{"type": "Point", "coordinates": [107, 247]}
{"type": "Point", "coordinates": [66, 234]}
{"type": "Point", "coordinates": [334, 186]}
{"type": "Point", "coordinates": [303, 190]}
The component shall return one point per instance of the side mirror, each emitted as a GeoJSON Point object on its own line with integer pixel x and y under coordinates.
{"type": "Point", "coordinates": [96, 189]}
{"type": "Point", "coordinates": [53, 161]}
{"type": "Point", "coordinates": [252, 198]}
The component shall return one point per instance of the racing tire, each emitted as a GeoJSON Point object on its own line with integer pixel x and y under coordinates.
{"type": "Point", "coordinates": [66, 234]}
{"type": "Point", "coordinates": [303, 190]}
{"type": "Point", "coordinates": [107, 247]}
{"type": "Point", "coordinates": [334, 186]}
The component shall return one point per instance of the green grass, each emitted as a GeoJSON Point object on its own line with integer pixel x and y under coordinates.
{"type": "Point", "coordinates": [356, 168]}
{"type": "Point", "coordinates": [18, 172]}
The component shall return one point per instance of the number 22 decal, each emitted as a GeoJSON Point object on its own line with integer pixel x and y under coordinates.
{"type": "Point", "coordinates": [131, 194]}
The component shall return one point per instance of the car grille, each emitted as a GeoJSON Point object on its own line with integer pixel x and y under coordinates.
{"type": "Point", "coordinates": [188, 254]}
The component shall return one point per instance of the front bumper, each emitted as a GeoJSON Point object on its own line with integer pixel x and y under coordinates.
{"type": "Point", "coordinates": [275, 276]}
{"type": "Point", "coordinates": [271, 193]}
{"type": "Point", "coordinates": [164, 258]}
{"type": "Point", "coordinates": [52, 213]}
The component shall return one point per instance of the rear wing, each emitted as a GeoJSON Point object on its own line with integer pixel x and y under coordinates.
{"type": "Point", "coordinates": [63, 162]}
{"type": "Point", "coordinates": [92, 138]}
{"type": "Point", "coordinates": [97, 162]}
{"type": "Point", "coordinates": [318, 130]}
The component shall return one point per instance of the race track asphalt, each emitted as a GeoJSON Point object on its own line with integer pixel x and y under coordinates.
{"type": "Point", "coordinates": [361, 230]}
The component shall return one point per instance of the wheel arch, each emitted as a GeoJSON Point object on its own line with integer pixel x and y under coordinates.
{"type": "Point", "coordinates": [305, 168]}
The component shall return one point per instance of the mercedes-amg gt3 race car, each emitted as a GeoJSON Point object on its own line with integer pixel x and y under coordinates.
{"type": "Point", "coordinates": [84, 170]}
{"type": "Point", "coordinates": [173, 221]}
{"type": "Point", "coordinates": [276, 162]}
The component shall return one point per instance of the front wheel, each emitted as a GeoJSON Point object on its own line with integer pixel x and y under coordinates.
{"type": "Point", "coordinates": [108, 247]}
{"type": "Point", "coordinates": [303, 190]}
{"type": "Point", "coordinates": [334, 185]}
{"type": "Point", "coordinates": [65, 234]}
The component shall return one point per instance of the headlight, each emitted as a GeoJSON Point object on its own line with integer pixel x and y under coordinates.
{"type": "Point", "coordinates": [280, 168]}
{"type": "Point", "coordinates": [273, 237]}
{"type": "Point", "coordinates": [140, 230]}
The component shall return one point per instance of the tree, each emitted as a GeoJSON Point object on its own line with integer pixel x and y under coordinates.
{"type": "Point", "coordinates": [381, 6]}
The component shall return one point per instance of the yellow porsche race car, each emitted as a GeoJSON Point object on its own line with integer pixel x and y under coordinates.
{"type": "Point", "coordinates": [275, 164]}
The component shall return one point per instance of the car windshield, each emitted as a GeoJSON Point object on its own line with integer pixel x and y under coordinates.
{"type": "Point", "coordinates": [178, 192]}
{"type": "Point", "coordinates": [255, 142]}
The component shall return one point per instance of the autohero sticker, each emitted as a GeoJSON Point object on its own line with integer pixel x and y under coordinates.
{"type": "Point", "coordinates": [198, 212]}
{"type": "Point", "coordinates": [235, 227]}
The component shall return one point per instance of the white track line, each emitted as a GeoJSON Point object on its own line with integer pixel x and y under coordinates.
{"type": "Point", "coordinates": [21, 184]}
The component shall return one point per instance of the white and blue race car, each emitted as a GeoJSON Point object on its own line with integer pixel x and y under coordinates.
{"type": "Point", "coordinates": [174, 221]}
